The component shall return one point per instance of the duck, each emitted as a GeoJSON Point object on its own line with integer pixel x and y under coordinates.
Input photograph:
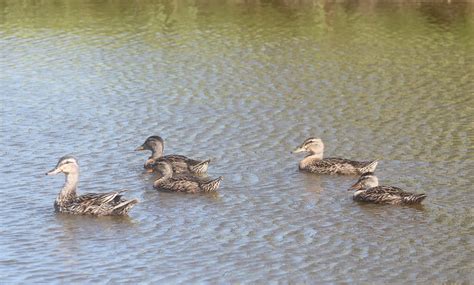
{"type": "Point", "coordinates": [368, 190]}
{"type": "Point", "coordinates": [97, 204]}
{"type": "Point", "coordinates": [183, 182]}
{"type": "Point", "coordinates": [180, 163]}
{"type": "Point", "coordinates": [315, 163]}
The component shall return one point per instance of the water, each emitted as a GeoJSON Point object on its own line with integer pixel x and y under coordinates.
{"type": "Point", "coordinates": [242, 83]}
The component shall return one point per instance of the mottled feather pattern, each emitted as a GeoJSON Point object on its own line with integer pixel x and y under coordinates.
{"type": "Point", "coordinates": [212, 185]}
{"type": "Point", "coordinates": [335, 165]}
{"type": "Point", "coordinates": [201, 167]}
{"type": "Point", "coordinates": [188, 184]}
{"type": "Point", "coordinates": [388, 195]}
{"type": "Point", "coordinates": [67, 201]}
{"type": "Point", "coordinates": [316, 163]}
{"type": "Point", "coordinates": [96, 204]}
{"type": "Point", "coordinates": [180, 164]}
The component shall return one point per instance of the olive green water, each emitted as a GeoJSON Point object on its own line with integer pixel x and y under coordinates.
{"type": "Point", "coordinates": [242, 83]}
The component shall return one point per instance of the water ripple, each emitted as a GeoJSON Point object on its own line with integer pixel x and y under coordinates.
{"type": "Point", "coordinates": [242, 84]}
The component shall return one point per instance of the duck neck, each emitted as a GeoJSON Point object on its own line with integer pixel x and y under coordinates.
{"type": "Point", "coordinates": [69, 189]}
{"type": "Point", "coordinates": [166, 173]}
{"type": "Point", "coordinates": [310, 158]}
{"type": "Point", "coordinates": [156, 153]}
{"type": "Point", "coordinates": [164, 176]}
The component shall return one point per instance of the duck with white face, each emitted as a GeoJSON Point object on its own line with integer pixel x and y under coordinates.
{"type": "Point", "coordinates": [67, 201]}
{"type": "Point", "coordinates": [180, 163]}
{"type": "Point", "coordinates": [314, 162]}
{"type": "Point", "coordinates": [367, 189]}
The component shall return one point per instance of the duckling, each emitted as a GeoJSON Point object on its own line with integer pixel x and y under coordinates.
{"type": "Point", "coordinates": [180, 163]}
{"type": "Point", "coordinates": [368, 190]}
{"type": "Point", "coordinates": [183, 182]}
{"type": "Point", "coordinates": [106, 204]}
{"type": "Point", "coordinates": [315, 163]}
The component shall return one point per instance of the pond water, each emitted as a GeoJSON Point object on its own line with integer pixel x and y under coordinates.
{"type": "Point", "coordinates": [243, 83]}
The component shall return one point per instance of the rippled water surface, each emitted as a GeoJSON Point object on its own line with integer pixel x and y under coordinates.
{"type": "Point", "coordinates": [241, 83]}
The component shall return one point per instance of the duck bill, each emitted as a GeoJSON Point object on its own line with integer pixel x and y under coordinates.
{"type": "Point", "coordinates": [356, 186]}
{"type": "Point", "coordinates": [53, 171]}
{"type": "Point", "coordinates": [140, 148]}
{"type": "Point", "coordinates": [298, 150]}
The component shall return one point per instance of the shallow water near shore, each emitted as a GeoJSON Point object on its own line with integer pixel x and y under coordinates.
{"type": "Point", "coordinates": [243, 84]}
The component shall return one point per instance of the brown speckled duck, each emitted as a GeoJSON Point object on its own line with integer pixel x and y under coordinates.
{"type": "Point", "coordinates": [104, 204]}
{"type": "Point", "coordinates": [180, 163]}
{"type": "Point", "coordinates": [368, 190]}
{"type": "Point", "coordinates": [183, 182]}
{"type": "Point", "coordinates": [315, 163]}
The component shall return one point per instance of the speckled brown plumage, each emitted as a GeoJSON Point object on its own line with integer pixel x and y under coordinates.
{"type": "Point", "coordinates": [183, 182]}
{"type": "Point", "coordinates": [315, 163]}
{"type": "Point", "coordinates": [107, 204]}
{"type": "Point", "coordinates": [67, 201]}
{"type": "Point", "coordinates": [388, 195]}
{"type": "Point", "coordinates": [333, 165]}
{"type": "Point", "coordinates": [179, 163]}
{"type": "Point", "coordinates": [368, 190]}
{"type": "Point", "coordinates": [183, 164]}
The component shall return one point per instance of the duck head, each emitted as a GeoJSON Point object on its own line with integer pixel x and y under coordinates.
{"type": "Point", "coordinates": [366, 181]}
{"type": "Point", "coordinates": [155, 144]}
{"type": "Point", "coordinates": [67, 165]}
{"type": "Point", "coordinates": [312, 145]}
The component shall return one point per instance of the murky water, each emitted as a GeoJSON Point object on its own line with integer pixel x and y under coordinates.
{"type": "Point", "coordinates": [242, 83]}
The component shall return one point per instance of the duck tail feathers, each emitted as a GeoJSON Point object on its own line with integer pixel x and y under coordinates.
{"type": "Point", "coordinates": [124, 207]}
{"type": "Point", "coordinates": [213, 184]}
{"type": "Point", "coordinates": [201, 167]}
{"type": "Point", "coordinates": [370, 167]}
{"type": "Point", "coordinates": [414, 199]}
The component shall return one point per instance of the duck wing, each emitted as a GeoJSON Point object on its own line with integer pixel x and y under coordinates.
{"type": "Point", "coordinates": [175, 158]}
{"type": "Point", "coordinates": [333, 165]}
{"type": "Point", "coordinates": [181, 184]}
{"type": "Point", "coordinates": [389, 190]}
{"type": "Point", "coordinates": [183, 164]}
{"type": "Point", "coordinates": [110, 203]}
{"type": "Point", "coordinates": [100, 198]}
{"type": "Point", "coordinates": [190, 184]}
{"type": "Point", "coordinates": [379, 195]}
{"type": "Point", "coordinates": [389, 195]}
{"type": "Point", "coordinates": [337, 160]}
{"type": "Point", "coordinates": [178, 162]}
{"type": "Point", "coordinates": [397, 193]}
{"type": "Point", "coordinates": [201, 167]}
{"type": "Point", "coordinates": [343, 166]}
